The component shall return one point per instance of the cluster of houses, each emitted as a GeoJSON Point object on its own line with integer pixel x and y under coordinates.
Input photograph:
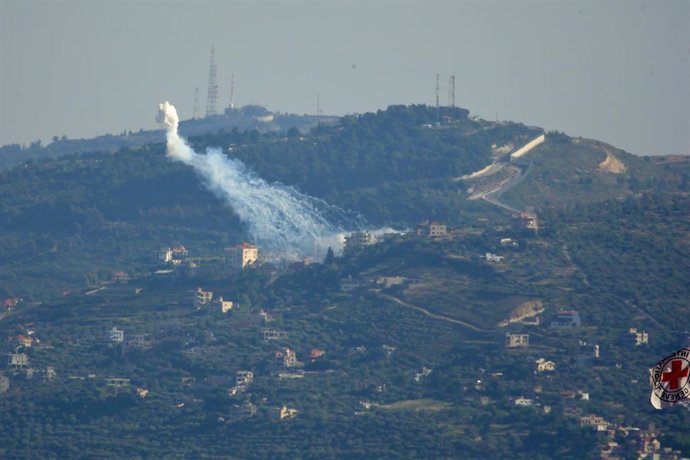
{"type": "Point", "coordinates": [204, 298]}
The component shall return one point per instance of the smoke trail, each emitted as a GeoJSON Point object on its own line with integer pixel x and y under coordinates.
{"type": "Point", "coordinates": [279, 218]}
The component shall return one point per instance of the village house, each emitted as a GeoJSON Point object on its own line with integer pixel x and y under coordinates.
{"type": "Point", "coordinates": [141, 341]}
{"type": "Point", "coordinates": [431, 229]}
{"type": "Point", "coordinates": [116, 335]}
{"type": "Point", "coordinates": [179, 252]}
{"type": "Point", "coordinates": [287, 357]}
{"type": "Point", "coordinates": [566, 319]}
{"type": "Point", "coordinates": [545, 366]}
{"type": "Point", "coordinates": [508, 242]}
{"type": "Point", "coordinates": [358, 240]}
{"type": "Point", "coordinates": [271, 334]}
{"type": "Point", "coordinates": [10, 304]}
{"type": "Point", "coordinates": [165, 255]}
{"type": "Point", "coordinates": [493, 257]}
{"type": "Point", "coordinates": [25, 341]}
{"type": "Point", "coordinates": [225, 305]}
{"type": "Point", "coordinates": [18, 360]}
{"type": "Point", "coordinates": [640, 337]}
{"type": "Point", "coordinates": [517, 340]}
{"type": "Point", "coordinates": [594, 421]}
{"type": "Point", "coordinates": [267, 317]}
{"type": "Point", "coordinates": [522, 401]}
{"type": "Point", "coordinates": [287, 414]}
{"type": "Point", "coordinates": [316, 353]}
{"type": "Point", "coordinates": [202, 297]}
{"type": "Point", "coordinates": [239, 257]}
{"type": "Point", "coordinates": [389, 281]}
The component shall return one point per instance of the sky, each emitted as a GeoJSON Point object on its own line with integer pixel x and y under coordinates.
{"type": "Point", "coordinates": [616, 71]}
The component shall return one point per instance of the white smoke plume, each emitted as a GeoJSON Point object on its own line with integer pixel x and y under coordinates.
{"type": "Point", "coordinates": [280, 219]}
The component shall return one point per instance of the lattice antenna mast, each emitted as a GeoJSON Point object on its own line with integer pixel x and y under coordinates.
{"type": "Point", "coordinates": [437, 89]}
{"type": "Point", "coordinates": [212, 99]}
{"type": "Point", "coordinates": [451, 91]}
{"type": "Point", "coordinates": [232, 91]}
{"type": "Point", "coordinates": [196, 103]}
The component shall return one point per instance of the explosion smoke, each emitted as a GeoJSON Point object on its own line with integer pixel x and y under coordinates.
{"type": "Point", "coordinates": [279, 218]}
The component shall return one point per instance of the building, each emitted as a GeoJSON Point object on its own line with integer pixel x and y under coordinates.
{"type": "Point", "coordinates": [316, 353]}
{"type": "Point", "coordinates": [566, 319]}
{"type": "Point", "coordinates": [225, 305]}
{"type": "Point", "coordinates": [508, 242]}
{"type": "Point", "coordinates": [493, 257]}
{"type": "Point", "coordinates": [594, 421]}
{"type": "Point", "coordinates": [116, 335]}
{"type": "Point", "coordinates": [545, 366]}
{"type": "Point", "coordinates": [522, 401]}
{"type": "Point", "coordinates": [166, 255]}
{"type": "Point", "coordinates": [179, 252]}
{"type": "Point", "coordinates": [244, 378]}
{"type": "Point", "coordinates": [142, 341]}
{"type": "Point", "coordinates": [287, 357]}
{"type": "Point", "coordinates": [390, 281]}
{"type": "Point", "coordinates": [202, 297]}
{"type": "Point", "coordinates": [517, 340]}
{"type": "Point", "coordinates": [431, 229]}
{"type": "Point", "coordinates": [25, 341]}
{"type": "Point", "coordinates": [241, 256]}
{"type": "Point", "coordinates": [271, 334]}
{"type": "Point", "coordinates": [358, 240]}
{"type": "Point", "coordinates": [640, 337]}
{"type": "Point", "coordinates": [10, 304]}
{"type": "Point", "coordinates": [18, 360]}
{"type": "Point", "coordinates": [287, 414]}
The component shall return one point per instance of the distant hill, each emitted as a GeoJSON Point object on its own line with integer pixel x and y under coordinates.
{"type": "Point", "coordinates": [245, 118]}
{"type": "Point", "coordinates": [78, 219]}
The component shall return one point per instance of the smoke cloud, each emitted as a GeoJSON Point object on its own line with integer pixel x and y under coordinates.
{"type": "Point", "coordinates": [280, 219]}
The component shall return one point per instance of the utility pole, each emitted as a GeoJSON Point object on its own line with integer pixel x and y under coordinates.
{"type": "Point", "coordinates": [196, 103]}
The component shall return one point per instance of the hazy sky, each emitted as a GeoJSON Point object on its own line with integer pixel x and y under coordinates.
{"type": "Point", "coordinates": [614, 71]}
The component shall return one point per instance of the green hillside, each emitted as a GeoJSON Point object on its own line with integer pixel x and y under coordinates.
{"type": "Point", "coordinates": [401, 347]}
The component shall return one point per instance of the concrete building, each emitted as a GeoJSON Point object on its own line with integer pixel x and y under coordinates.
{"type": "Point", "coordinates": [116, 335]}
{"type": "Point", "coordinates": [431, 229]}
{"type": "Point", "coordinates": [545, 366]}
{"type": "Point", "coordinates": [225, 305]}
{"type": "Point", "coordinates": [18, 360]}
{"type": "Point", "coordinates": [594, 421]}
{"type": "Point", "coordinates": [287, 357]}
{"type": "Point", "coordinates": [566, 319]}
{"type": "Point", "coordinates": [241, 256]}
{"type": "Point", "coordinates": [202, 297]}
{"type": "Point", "coordinates": [517, 340]}
{"type": "Point", "coordinates": [358, 240]}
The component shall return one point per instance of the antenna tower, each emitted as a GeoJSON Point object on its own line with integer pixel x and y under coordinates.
{"type": "Point", "coordinates": [232, 91]}
{"type": "Point", "coordinates": [437, 88]}
{"type": "Point", "coordinates": [196, 102]}
{"type": "Point", "coordinates": [318, 108]}
{"type": "Point", "coordinates": [451, 91]}
{"type": "Point", "coordinates": [212, 98]}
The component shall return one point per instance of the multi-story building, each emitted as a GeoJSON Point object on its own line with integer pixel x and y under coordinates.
{"type": "Point", "coordinates": [241, 256]}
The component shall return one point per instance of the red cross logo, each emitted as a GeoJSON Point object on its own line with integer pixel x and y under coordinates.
{"type": "Point", "coordinates": [675, 375]}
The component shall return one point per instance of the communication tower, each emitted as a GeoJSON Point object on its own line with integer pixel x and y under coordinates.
{"type": "Point", "coordinates": [196, 103]}
{"type": "Point", "coordinates": [212, 99]}
{"type": "Point", "coordinates": [437, 88]}
{"type": "Point", "coordinates": [451, 91]}
{"type": "Point", "coordinates": [232, 91]}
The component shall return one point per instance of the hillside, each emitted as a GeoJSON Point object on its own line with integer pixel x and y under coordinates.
{"type": "Point", "coordinates": [506, 334]}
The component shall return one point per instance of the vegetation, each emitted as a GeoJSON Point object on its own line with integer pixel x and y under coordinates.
{"type": "Point", "coordinates": [416, 368]}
